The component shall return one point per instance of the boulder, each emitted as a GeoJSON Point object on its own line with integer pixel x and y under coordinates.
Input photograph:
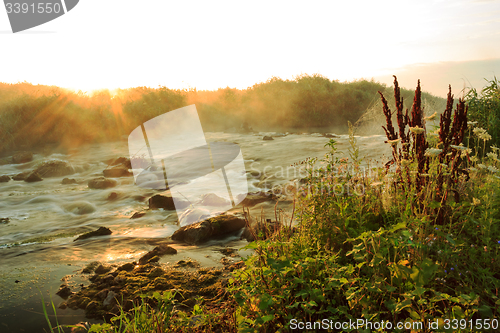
{"type": "Point", "coordinates": [160, 250]}
{"type": "Point", "coordinates": [200, 232]}
{"type": "Point", "coordinates": [166, 202]}
{"type": "Point", "coordinates": [112, 196]}
{"type": "Point", "coordinates": [121, 161]}
{"type": "Point", "coordinates": [4, 220]}
{"type": "Point", "coordinates": [67, 181]}
{"type": "Point", "coordinates": [102, 183]}
{"type": "Point", "coordinates": [22, 157]}
{"type": "Point", "coordinates": [55, 168]}
{"type": "Point", "coordinates": [64, 292]}
{"type": "Point", "coordinates": [254, 198]}
{"type": "Point", "coordinates": [33, 177]}
{"type": "Point", "coordinates": [21, 176]}
{"type": "Point", "coordinates": [102, 231]}
{"type": "Point", "coordinates": [138, 215]}
{"type": "Point", "coordinates": [267, 138]}
{"type": "Point", "coordinates": [212, 199]}
{"type": "Point", "coordinates": [119, 171]}
{"type": "Point", "coordinates": [4, 179]}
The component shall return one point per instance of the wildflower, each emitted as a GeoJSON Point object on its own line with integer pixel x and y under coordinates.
{"type": "Point", "coordinates": [485, 248]}
{"type": "Point", "coordinates": [437, 228]}
{"type": "Point", "coordinates": [482, 134]}
{"type": "Point", "coordinates": [482, 166]}
{"type": "Point", "coordinates": [446, 271]}
{"type": "Point", "coordinates": [393, 142]}
{"type": "Point", "coordinates": [474, 159]}
{"type": "Point", "coordinates": [432, 152]}
{"type": "Point", "coordinates": [493, 169]}
{"type": "Point", "coordinates": [495, 148]}
{"type": "Point", "coordinates": [475, 201]}
{"type": "Point", "coordinates": [465, 152]}
{"type": "Point", "coordinates": [431, 117]}
{"type": "Point", "coordinates": [492, 155]}
{"type": "Point", "coordinates": [452, 268]}
{"type": "Point", "coordinates": [499, 242]}
{"type": "Point", "coordinates": [471, 123]}
{"type": "Point", "coordinates": [417, 130]}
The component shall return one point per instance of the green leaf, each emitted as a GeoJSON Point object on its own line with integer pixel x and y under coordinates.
{"type": "Point", "coordinates": [267, 318]}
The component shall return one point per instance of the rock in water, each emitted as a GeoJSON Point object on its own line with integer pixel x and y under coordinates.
{"type": "Point", "coordinates": [4, 179]}
{"type": "Point", "coordinates": [102, 183]}
{"type": "Point", "coordinates": [33, 177]}
{"type": "Point", "coordinates": [267, 138]}
{"type": "Point", "coordinates": [67, 181]}
{"type": "Point", "coordinates": [138, 215]}
{"type": "Point", "coordinates": [102, 231]}
{"type": "Point", "coordinates": [55, 168]}
{"type": "Point", "coordinates": [119, 171]}
{"type": "Point", "coordinates": [22, 157]}
{"type": "Point", "coordinates": [166, 202]}
{"type": "Point", "coordinates": [251, 199]}
{"type": "Point", "coordinates": [4, 220]}
{"type": "Point", "coordinates": [160, 250]}
{"type": "Point", "coordinates": [212, 199]}
{"type": "Point", "coordinates": [64, 292]}
{"type": "Point", "coordinates": [21, 176]}
{"type": "Point", "coordinates": [121, 161]}
{"type": "Point", "coordinates": [200, 232]}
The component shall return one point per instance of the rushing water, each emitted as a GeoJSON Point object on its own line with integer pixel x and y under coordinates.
{"type": "Point", "coordinates": [37, 248]}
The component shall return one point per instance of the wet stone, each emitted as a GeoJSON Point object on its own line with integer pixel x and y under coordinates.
{"type": "Point", "coordinates": [64, 292]}
{"type": "Point", "coordinates": [102, 183]}
{"type": "Point", "coordinates": [90, 268]}
{"type": "Point", "coordinates": [138, 215]}
{"type": "Point", "coordinates": [33, 177]}
{"type": "Point", "coordinates": [102, 231]}
{"type": "Point", "coordinates": [101, 269]}
{"type": "Point", "coordinates": [159, 251]}
{"type": "Point", "coordinates": [67, 181]}
{"type": "Point", "coordinates": [4, 179]}
{"type": "Point", "coordinates": [126, 267]}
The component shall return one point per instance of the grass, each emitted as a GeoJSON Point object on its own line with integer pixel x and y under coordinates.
{"type": "Point", "coordinates": [418, 246]}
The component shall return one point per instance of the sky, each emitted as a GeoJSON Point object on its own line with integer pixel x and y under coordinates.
{"type": "Point", "coordinates": [217, 44]}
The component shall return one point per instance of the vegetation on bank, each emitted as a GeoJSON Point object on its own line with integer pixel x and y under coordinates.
{"type": "Point", "coordinates": [416, 244]}
{"type": "Point", "coordinates": [31, 116]}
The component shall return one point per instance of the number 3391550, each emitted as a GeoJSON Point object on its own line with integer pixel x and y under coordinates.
{"type": "Point", "coordinates": [40, 8]}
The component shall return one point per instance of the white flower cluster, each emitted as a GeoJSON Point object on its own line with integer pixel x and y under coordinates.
{"type": "Point", "coordinates": [417, 130]}
{"type": "Point", "coordinates": [481, 133]}
{"type": "Point", "coordinates": [432, 152]}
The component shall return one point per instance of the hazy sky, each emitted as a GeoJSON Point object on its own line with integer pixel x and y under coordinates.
{"type": "Point", "coordinates": [211, 44]}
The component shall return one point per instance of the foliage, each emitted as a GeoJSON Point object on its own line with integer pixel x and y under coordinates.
{"type": "Point", "coordinates": [484, 108]}
{"type": "Point", "coordinates": [33, 116]}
